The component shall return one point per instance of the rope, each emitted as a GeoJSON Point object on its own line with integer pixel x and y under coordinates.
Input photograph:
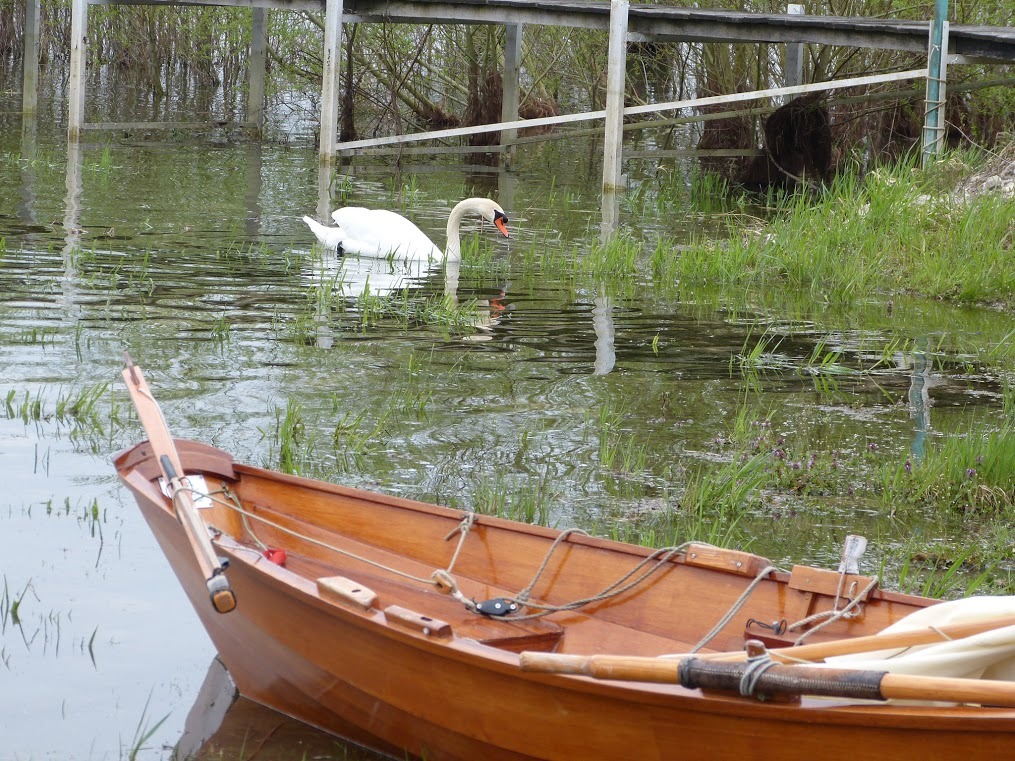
{"type": "Point", "coordinates": [442, 580]}
{"type": "Point", "coordinates": [657, 559]}
{"type": "Point", "coordinates": [831, 616]}
{"type": "Point", "coordinates": [463, 528]}
{"type": "Point", "coordinates": [735, 608]}
{"type": "Point", "coordinates": [755, 668]}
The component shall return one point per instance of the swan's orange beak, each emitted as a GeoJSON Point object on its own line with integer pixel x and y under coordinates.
{"type": "Point", "coordinates": [501, 221]}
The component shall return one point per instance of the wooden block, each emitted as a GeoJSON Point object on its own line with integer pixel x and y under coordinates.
{"type": "Point", "coordinates": [825, 582]}
{"type": "Point", "coordinates": [731, 561]}
{"type": "Point", "coordinates": [432, 627]}
{"type": "Point", "coordinates": [341, 589]}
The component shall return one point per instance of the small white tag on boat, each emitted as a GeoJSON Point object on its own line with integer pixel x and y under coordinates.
{"type": "Point", "coordinates": [199, 490]}
{"type": "Point", "coordinates": [852, 550]}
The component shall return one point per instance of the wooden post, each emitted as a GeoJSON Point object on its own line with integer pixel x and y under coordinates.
{"type": "Point", "coordinates": [30, 59]}
{"type": "Point", "coordinates": [614, 135]}
{"type": "Point", "coordinates": [258, 56]}
{"type": "Point", "coordinates": [794, 74]}
{"type": "Point", "coordinates": [937, 64]}
{"type": "Point", "coordinates": [512, 73]}
{"type": "Point", "coordinates": [329, 85]}
{"type": "Point", "coordinates": [76, 83]}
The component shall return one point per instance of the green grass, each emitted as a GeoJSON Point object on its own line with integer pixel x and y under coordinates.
{"type": "Point", "coordinates": [890, 232]}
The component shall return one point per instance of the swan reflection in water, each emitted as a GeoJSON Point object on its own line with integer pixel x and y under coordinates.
{"type": "Point", "coordinates": [361, 281]}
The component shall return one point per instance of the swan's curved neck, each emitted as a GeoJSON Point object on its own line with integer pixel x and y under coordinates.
{"type": "Point", "coordinates": [454, 248]}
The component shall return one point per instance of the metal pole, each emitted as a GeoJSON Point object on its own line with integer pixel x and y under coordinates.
{"type": "Point", "coordinates": [258, 57]}
{"type": "Point", "coordinates": [937, 62]}
{"type": "Point", "coordinates": [30, 59]}
{"type": "Point", "coordinates": [76, 84]}
{"type": "Point", "coordinates": [329, 84]}
{"type": "Point", "coordinates": [613, 139]}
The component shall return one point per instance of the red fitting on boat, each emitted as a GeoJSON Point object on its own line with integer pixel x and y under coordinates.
{"type": "Point", "coordinates": [275, 555]}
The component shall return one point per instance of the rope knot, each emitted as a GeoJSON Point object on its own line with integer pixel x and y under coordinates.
{"type": "Point", "coordinates": [463, 527]}
{"type": "Point", "coordinates": [756, 667]}
{"type": "Point", "coordinates": [444, 582]}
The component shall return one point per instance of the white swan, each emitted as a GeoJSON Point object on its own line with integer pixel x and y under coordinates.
{"type": "Point", "coordinates": [383, 233]}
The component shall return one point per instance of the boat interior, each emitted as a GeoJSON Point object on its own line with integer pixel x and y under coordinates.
{"type": "Point", "coordinates": [427, 568]}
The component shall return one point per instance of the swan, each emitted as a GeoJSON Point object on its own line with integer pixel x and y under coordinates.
{"type": "Point", "coordinates": [383, 233]}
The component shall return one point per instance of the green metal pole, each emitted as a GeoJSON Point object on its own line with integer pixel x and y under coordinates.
{"type": "Point", "coordinates": [933, 127]}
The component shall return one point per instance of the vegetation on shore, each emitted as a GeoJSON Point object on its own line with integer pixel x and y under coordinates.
{"type": "Point", "coordinates": [889, 232]}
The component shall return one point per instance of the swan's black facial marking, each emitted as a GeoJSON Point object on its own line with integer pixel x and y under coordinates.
{"type": "Point", "coordinates": [500, 219]}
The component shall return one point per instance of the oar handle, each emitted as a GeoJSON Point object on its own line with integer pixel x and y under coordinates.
{"type": "Point", "coordinates": [775, 678]}
{"type": "Point", "coordinates": [221, 594]}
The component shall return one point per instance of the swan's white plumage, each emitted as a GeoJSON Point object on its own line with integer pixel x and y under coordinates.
{"type": "Point", "coordinates": [379, 232]}
{"type": "Point", "coordinates": [383, 233]}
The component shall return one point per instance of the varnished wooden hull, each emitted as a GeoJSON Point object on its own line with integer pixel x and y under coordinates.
{"type": "Point", "coordinates": [364, 674]}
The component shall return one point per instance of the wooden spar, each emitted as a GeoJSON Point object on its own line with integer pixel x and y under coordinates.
{"type": "Point", "coordinates": [222, 597]}
{"type": "Point", "coordinates": [874, 642]}
{"type": "Point", "coordinates": [547, 121]}
{"type": "Point", "coordinates": [695, 673]}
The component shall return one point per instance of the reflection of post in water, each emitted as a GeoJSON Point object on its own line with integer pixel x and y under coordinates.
{"type": "Point", "coordinates": [602, 323]}
{"type": "Point", "coordinates": [919, 399]}
{"type": "Point", "coordinates": [26, 209]}
{"type": "Point", "coordinates": [72, 221]}
{"type": "Point", "coordinates": [252, 201]}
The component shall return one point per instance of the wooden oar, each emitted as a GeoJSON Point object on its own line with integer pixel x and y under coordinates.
{"type": "Point", "coordinates": [222, 597]}
{"type": "Point", "coordinates": [873, 642]}
{"type": "Point", "coordinates": [775, 679]}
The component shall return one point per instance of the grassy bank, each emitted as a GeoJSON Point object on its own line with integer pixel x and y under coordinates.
{"type": "Point", "coordinates": [890, 232]}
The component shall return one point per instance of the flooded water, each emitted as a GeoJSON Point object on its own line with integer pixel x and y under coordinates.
{"type": "Point", "coordinates": [552, 394]}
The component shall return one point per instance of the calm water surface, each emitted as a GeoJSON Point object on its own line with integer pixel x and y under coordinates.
{"type": "Point", "coordinates": [588, 398]}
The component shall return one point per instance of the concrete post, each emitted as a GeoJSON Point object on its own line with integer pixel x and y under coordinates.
{"type": "Point", "coordinates": [329, 85]}
{"type": "Point", "coordinates": [616, 66]}
{"type": "Point", "coordinates": [511, 75]}
{"type": "Point", "coordinates": [256, 71]}
{"type": "Point", "coordinates": [76, 83]}
{"type": "Point", "coordinates": [794, 74]}
{"type": "Point", "coordinates": [30, 58]}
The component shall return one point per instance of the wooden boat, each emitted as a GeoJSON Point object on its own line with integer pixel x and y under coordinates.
{"type": "Point", "coordinates": [368, 627]}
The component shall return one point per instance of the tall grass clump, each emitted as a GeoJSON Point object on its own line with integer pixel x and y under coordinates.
{"type": "Point", "coordinates": [882, 233]}
{"type": "Point", "coordinates": [711, 508]}
{"type": "Point", "coordinates": [973, 472]}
